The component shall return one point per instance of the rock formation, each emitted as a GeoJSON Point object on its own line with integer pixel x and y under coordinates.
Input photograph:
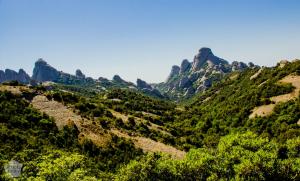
{"type": "Point", "coordinates": [44, 72]}
{"type": "Point", "coordinates": [2, 76]}
{"type": "Point", "coordinates": [148, 89]}
{"type": "Point", "coordinates": [174, 72]}
{"type": "Point", "coordinates": [79, 74]}
{"type": "Point", "coordinates": [185, 66]}
{"type": "Point", "coordinates": [204, 55]}
{"type": "Point", "coordinates": [118, 79]}
{"type": "Point", "coordinates": [142, 84]}
{"type": "Point", "coordinates": [10, 75]}
{"type": "Point", "coordinates": [199, 75]}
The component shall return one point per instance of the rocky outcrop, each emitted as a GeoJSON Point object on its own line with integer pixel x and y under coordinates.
{"type": "Point", "coordinates": [204, 55]}
{"type": "Point", "coordinates": [205, 84]}
{"type": "Point", "coordinates": [79, 74]}
{"type": "Point", "coordinates": [205, 69]}
{"type": "Point", "coordinates": [174, 72]}
{"type": "Point", "coordinates": [102, 79]}
{"type": "Point", "coordinates": [2, 76]}
{"type": "Point", "coordinates": [185, 66]}
{"type": "Point", "coordinates": [148, 89]}
{"type": "Point", "coordinates": [238, 65]}
{"type": "Point", "coordinates": [142, 84]}
{"type": "Point", "coordinates": [189, 92]}
{"type": "Point", "coordinates": [118, 79]}
{"type": "Point", "coordinates": [185, 82]}
{"type": "Point", "coordinates": [23, 76]}
{"type": "Point", "coordinates": [44, 72]}
{"type": "Point", "coordinates": [10, 75]}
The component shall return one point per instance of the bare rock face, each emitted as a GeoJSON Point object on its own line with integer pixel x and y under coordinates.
{"type": "Point", "coordinates": [204, 55]}
{"type": "Point", "coordinates": [148, 89]}
{"type": "Point", "coordinates": [44, 72]}
{"type": "Point", "coordinates": [185, 82]}
{"type": "Point", "coordinates": [174, 72]}
{"type": "Point", "coordinates": [2, 76]}
{"type": "Point", "coordinates": [189, 92]}
{"type": "Point", "coordinates": [238, 65]}
{"type": "Point", "coordinates": [23, 76]}
{"type": "Point", "coordinates": [79, 74]}
{"type": "Point", "coordinates": [10, 75]}
{"type": "Point", "coordinates": [118, 79]}
{"type": "Point", "coordinates": [185, 66]}
{"type": "Point", "coordinates": [201, 73]}
{"type": "Point", "coordinates": [103, 79]}
{"type": "Point", "coordinates": [205, 85]}
{"type": "Point", "coordinates": [143, 84]}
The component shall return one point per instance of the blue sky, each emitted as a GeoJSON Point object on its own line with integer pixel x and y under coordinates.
{"type": "Point", "coordinates": [144, 38]}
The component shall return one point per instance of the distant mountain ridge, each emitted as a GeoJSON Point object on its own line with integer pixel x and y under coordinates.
{"type": "Point", "coordinates": [9, 75]}
{"type": "Point", "coordinates": [183, 81]}
{"type": "Point", "coordinates": [193, 77]}
{"type": "Point", "coordinates": [43, 72]}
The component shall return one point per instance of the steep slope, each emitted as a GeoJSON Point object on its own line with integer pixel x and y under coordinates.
{"type": "Point", "coordinates": [266, 110]}
{"type": "Point", "coordinates": [121, 134]}
{"type": "Point", "coordinates": [195, 77]}
{"type": "Point", "coordinates": [226, 107]}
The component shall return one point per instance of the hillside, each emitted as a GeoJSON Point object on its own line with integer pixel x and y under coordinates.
{"type": "Point", "coordinates": [63, 132]}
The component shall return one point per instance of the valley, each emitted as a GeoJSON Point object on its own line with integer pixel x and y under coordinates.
{"type": "Point", "coordinates": [246, 125]}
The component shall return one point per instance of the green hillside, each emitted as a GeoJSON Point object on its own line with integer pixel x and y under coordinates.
{"type": "Point", "coordinates": [220, 134]}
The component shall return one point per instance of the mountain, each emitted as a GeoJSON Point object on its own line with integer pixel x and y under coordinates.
{"type": "Point", "coordinates": [197, 76]}
{"type": "Point", "coordinates": [184, 81]}
{"type": "Point", "coordinates": [9, 75]}
{"type": "Point", "coordinates": [246, 126]}
{"type": "Point", "coordinates": [45, 73]}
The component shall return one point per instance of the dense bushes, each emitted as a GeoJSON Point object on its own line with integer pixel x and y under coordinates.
{"type": "Point", "coordinates": [33, 139]}
{"type": "Point", "coordinates": [242, 156]}
{"type": "Point", "coordinates": [230, 103]}
{"type": "Point", "coordinates": [222, 143]}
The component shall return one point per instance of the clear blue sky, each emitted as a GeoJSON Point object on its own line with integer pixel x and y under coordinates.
{"type": "Point", "coordinates": [144, 38]}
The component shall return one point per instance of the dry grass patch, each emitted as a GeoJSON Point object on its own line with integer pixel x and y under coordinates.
{"type": "Point", "coordinates": [254, 76]}
{"type": "Point", "coordinates": [295, 81]}
{"type": "Point", "coordinates": [266, 110]}
{"type": "Point", "coordinates": [149, 145]}
{"type": "Point", "coordinates": [14, 89]}
{"type": "Point", "coordinates": [262, 111]}
{"type": "Point", "coordinates": [234, 76]}
{"type": "Point", "coordinates": [64, 116]}
{"type": "Point", "coordinates": [152, 126]}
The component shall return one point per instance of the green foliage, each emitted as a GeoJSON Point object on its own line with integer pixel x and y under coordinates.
{"type": "Point", "coordinates": [240, 156]}
{"type": "Point", "coordinates": [222, 143]}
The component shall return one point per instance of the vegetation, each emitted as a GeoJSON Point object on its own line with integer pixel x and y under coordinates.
{"type": "Point", "coordinates": [214, 128]}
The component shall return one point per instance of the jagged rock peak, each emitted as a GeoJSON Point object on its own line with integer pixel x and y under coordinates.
{"type": "Point", "coordinates": [79, 73]}
{"type": "Point", "coordinates": [9, 75]}
{"type": "Point", "coordinates": [2, 76]}
{"type": "Point", "coordinates": [174, 71]}
{"type": "Point", "coordinates": [44, 72]}
{"type": "Point", "coordinates": [185, 66]}
{"type": "Point", "coordinates": [205, 54]}
{"type": "Point", "coordinates": [143, 84]}
{"type": "Point", "coordinates": [117, 78]}
{"type": "Point", "coordinates": [238, 65]}
{"type": "Point", "coordinates": [40, 62]}
{"type": "Point", "coordinates": [23, 76]}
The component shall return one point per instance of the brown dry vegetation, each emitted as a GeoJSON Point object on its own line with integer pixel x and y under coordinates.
{"type": "Point", "coordinates": [149, 145]}
{"type": "Point", "coordinates": [66, 117]}
{"type": "Point", "coordinates": [256, 74]}
{"type": "Point", "coordinates": [266, 110]}
{"type": "Point", "coordinates": [14, 89]}
{"type": "Point", "coordinates": [89, 130]}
